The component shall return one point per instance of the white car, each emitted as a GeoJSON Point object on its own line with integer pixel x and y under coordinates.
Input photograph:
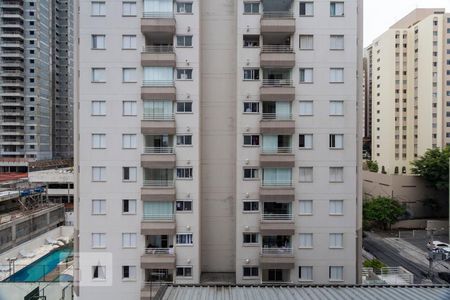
{"type": "Point", "coordinates": [437, 244]}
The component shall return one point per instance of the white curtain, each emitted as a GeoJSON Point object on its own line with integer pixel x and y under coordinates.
{"type": "Point", "coordinates": [270, 143]}
{"type": "Point", "coordinates": [158, 6]}
{"type": "Point", "coordinates": [306, 42]}
{"type": "Point", "coordinates": [283, 110]}
{"type": "Point", "coordinates": [337, 75]}
{"type": "Point", "coordinates": [337, 42]}
{"type": "Point", "coordinates": [158, 74]}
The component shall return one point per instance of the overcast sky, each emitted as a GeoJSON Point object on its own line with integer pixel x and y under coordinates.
{"type": "Point", "coordinates": [379, 15]}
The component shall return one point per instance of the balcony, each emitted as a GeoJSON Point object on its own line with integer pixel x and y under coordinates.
{"type": "Point", "coordinates": [158, 158]}
{"type": "Point", "coordinates": [158, 185]}
{"type": "Point", "coordinates": [158, 90]}
{"type": "Point", "coordinates": [277, 22]}
{"type": "Point", "coordinates": [277, 90]}
{"type": "Point", "coordinates": [155, 227]}
{"type": "Point", "coordinates": [273, 123]}
{"type": "Point", "coordinates": [273, 273]}
{"type": "Point", "coordinates": [154, 123]}
{"type": "Point", "coordinates": [277, 190]}
{"type": "Point", "coordinates": [158, 258]}
{"type": "Point", "coordinates": [281, 56]}
{"type": "Point", "coordinates": [277, 224]}
{"type": "Point", "coordinates": [158, 22]}
{"type": "Point", "coordinates": [158, 56]}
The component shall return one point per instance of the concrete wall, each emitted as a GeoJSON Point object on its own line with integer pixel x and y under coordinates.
{"type": "Point", "coordinates": [409, 190]}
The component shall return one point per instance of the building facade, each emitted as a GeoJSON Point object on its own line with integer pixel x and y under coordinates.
{"type": "Point", "coordinates": [28, 68]}
{"type": "Point", "coordinates": [411, 89]}
{"type": "Point", "coordinates": [217, 137]}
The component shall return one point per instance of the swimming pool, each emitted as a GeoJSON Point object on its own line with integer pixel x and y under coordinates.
{"type": "Point", "coordinates": [37, 270]}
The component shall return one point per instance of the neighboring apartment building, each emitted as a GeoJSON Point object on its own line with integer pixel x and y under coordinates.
{"type": "Point", "coordinates": [217, 137]}
{"type": "Point", "coordinates": [411, 89]}
{"type": "Point", "coordinates": [36, 93]}
{"type": "Point", "coordinates": [367, 89]}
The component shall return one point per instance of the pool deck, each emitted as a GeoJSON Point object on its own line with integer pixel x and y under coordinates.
{"type": "Point", "coordinates": [23, 262]}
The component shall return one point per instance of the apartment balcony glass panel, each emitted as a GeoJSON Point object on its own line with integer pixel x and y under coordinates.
{"type": "Point", "coordinates": [275, 211]}
{"type": "Point", "coordinates": [277, 9]}
{"type": "Point", "coordinates": [158, 244]}
{"type": "Point", "coordinates": [277, 77]}
{"type": "Point", "coordinates": [158, 110]}
{"type": "Point", "coordinates": [158, 76]}
{"type": "Point", "coordinates": [158, 144]}
{"type": "Point", "coordinates": [276, 144]}
{"type": "Point", "coordinates": [158, 275]}
{"type": "Point", "coordinates": [279, 276]}
{"type": "Point", "coordinates": [158, 211]}
{"type": "Point", "coordinates": [277, 177]}
{"type": "Point", "coordinates": [158, 8]}
{"type": "Point", "coordinates": [276, 245]}
{"type": "Point", "coordinates": [277, 110]}
{"type": "Point", "coordinates": [158, 178]}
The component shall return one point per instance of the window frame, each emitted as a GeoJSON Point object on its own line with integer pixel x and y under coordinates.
{"type": "Point", "coordinates": [189, 239]}
{"type": "Point", "coordinates": [183, 104]}
{"type": "Point", "coordinates": [331, 213]}
{"type": "Point", "coordinates": [102, 211]}
{"type": "Point", "coordinates": [188, 72]}
{"type": "Point", "coordinates": [183, 4]}
{"type": "Point", "coordinates": [183, 206]}
{"type": "Point", "coordinates": [101, 139]}
{"type": "Point", "coordinates": [133, 111]}
{"type": "Point", "coordinates": [305, 4]}
{"type": "Point", "coordinates": [310, 244]}
{"type": "Point", "coordinates": [336, 36]}
{"type": "Point", "coordinates": [300, 274]}
{"type": "Point", "coordinates": [102, 107]}
{"type": "Point", "coordinates": [129, 212]}
{"type": "Point", "coordinates": [254, 173]}
{"type": "Point", "coordinates": [131, 37]}
{"type": "Point", "coordinates": [185, 37]}
{"type": "Point", "coordinates": [132, 174]}
{"type": "Point", "coordinates": [306, 180]}
{"type": "Point", "coordinates": [255, 74]}
{"type": "Point", "coordinates": [127, 243]}
{"type": "Point", "coordinates": [252, 105]}
{"type": "Point", "coordinates": [130, 273]}
{"type": "Point", "coordinates": [131, 5]}
{"type": "Point", "coordinates": [253, 241]}
{"type": "Point", "coordinates": [189, 171]}
{"type": "Point", "coordinates": [102, 171]}
{"type": "Point", "coordinates": [300, 213]}
{"type": "Point", "coordinates": [251, 210]}
{"type": "Point", "coordinates": [102, 240]}
{"type": "Point", "coordinates": [93, 71]}
{"type": "Point", "coordinates": [94, 41]}
{"type": "Point", "coordinates": [305, 147]}
{"type": "Point", "coordinates": [252, 275]}
{"type": "Point", "coordinates": [184, 268]}
{"type": "Point", "coordinates": [253, 138]}
{"type": "Point", "coordinates": [331, 180]}
{"type": "Point", "coordinates": [182, 137]}
{"type": "Point", "coordinates": [100, 3]}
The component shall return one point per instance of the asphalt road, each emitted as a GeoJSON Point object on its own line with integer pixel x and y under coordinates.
{"type": "Point", "coordinates": [392, 258]}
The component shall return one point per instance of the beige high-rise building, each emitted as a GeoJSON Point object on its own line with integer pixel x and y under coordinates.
{"type": "Point", "coordinates": [411, 89]}
{"type": "Point", "coordinates": [217, 141]}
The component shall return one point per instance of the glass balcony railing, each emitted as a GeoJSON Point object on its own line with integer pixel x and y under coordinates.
{"type": "Point", "coordinates": [159, 182]}
{"type": "Point", "coordinates": [158, 116]}
{"type": "Point", "coordinates": [158, 150]}
{"type": "Point", "coordinates": [158, 217]}
{"type": "Point", "coordinates": [276, 251]}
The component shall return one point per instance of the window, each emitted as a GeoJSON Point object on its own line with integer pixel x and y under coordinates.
{"type": "Point", "coordinates": [250, 238]}
{"type": "Point", "coordinates": [98, 41]}
{"type": "Point", "coordinates": [250, 272]}
{"type": "Point", "coordinates": [184, 40]}
{"type": "Point", "coordinates": [184, 239]}
{"type": "Point", "coordinates": [336, 240]}
{"type": "Point", "coordinates": [250, 206]}
{"type": "Point", "coordinates": [98, 9]}
{"type": "Point", "coordinates": [336, 174]}
{"type": "Point", "coordinates": [98, 240]}
{"type": "Point", "coordinates": [336, 207]}
{"type": "Point", "coordinates": [184, 271]}
{"type": "Point", "coordinates": [128, 207]}
{"type": "Point", "coordinates": [336, 273]}
{"type": "Point", "coordinates": [99, 272]}
{"type": "Point", "coordinates": [250, 173]}
{"type": "Point", "coordinates": [129, 240]}
{"type": "Point", "coordinates": [129, 108]}
{"type": "Point", "coordinates": [184, 107]}
{"type": "Point", "coordinates": [306, 8]}
{"type": "Point", "coordinates": [305, 273]}
{"type": "Point", "coordinates": [251, 107]}
{"type": "Point", "coordinates": [129, 141]}
{"type": "Point", "coordinates": [98, 75]}
{"type": "Point", "coordinates": [184, 7]}
{"type": "Point", "coordinates": [99, 207]}
{"type": "Point", "coordinates": [337, 9]}
{"type": "Point", "coordinates": [251, 74]}
{"type": "Point", "coordinates": [336, 42]}
{"type": "Point", "coordinates": [98, 108]}
{"type": "Point", "coordinates": [98, 141]}
{"type": "Point", "coordinates": [306, 75]}
{"type": "Point", "coordinates": [98, 174]}
{"type": "Point", "coordinates": [184, 74]}
{"type": "Point", "coordinates": [306, 108]}
{"type": "Point", "coordinates": [305, 141]}
{"type": "Point", "coordinates": [183, 205]}
{"type": "Point", "coordinates": [306, 207]}
{"type": "Point", "coordinates": [306, 42]}
{"type": "Point", "coordinates": [336, 141]}
{"type": "Point", "coordinates": [251, 40]}
{"type": "Point", "coordinates": [306, 174]}
{"type": "Point", "coordinates": [184, 173]}
{"type": "Point", "coordinates": [306, 240]}
{"type": "Point", "coordinates": [251, 7]}
{"type": "Point", "coordinates": [129, 174]}
{"type": "Point", "coordinates": [336, 75]}
{"type": "Point", "coordinates": [184, 140]}
{"type": "Point", "coordinates": [129, 272]}
{"type": "Point", "coordinates": [129, 9]}
{"type": "Point", "coordinates": [336, 108]}
{"type": "Point", "coordinates": [251, 140]}
{"type": "Point", "coordinates": [129, 75]}
{"type": "Point", "coordinates": [129, 42]}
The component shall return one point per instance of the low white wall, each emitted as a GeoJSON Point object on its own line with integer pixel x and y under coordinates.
{"type": "Point", "coordinates": [36, 242]}
{"type": "Point", "coordinates": [51, 290]}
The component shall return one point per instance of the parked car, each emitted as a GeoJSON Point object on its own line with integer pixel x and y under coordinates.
{"type": "Point", "coordinates": [431, 245]}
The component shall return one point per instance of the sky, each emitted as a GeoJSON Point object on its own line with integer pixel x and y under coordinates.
{"type": "Point", "coordinates": [379, 15]}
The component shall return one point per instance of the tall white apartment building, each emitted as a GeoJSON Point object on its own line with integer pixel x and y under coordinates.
{"type": "Point", "coordinates": [217, 141]}
{"type": "Point", "coordinates": [410, 89]}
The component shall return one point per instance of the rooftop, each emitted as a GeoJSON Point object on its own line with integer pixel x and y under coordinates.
{"type": "Point", "coordinates": [53, 175]}
{"type": "Point", "coordinates": [345, 292]}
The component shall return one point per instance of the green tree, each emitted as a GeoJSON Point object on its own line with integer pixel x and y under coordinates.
{"type": "Point", "coordinates": [433, 167]}
{"type": "Point", "coordinates": [374, 263]}
{"type": "Point", "coordinates": [382, 212]}
{"type": "Point", "coordinates": [372, 166]}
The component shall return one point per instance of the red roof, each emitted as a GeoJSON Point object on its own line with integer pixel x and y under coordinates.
{"type": "Point", "coordinates": [4, 177]}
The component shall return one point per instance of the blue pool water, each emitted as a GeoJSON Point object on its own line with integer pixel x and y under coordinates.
{"type": "Point", "coordinates": [37, 270]}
